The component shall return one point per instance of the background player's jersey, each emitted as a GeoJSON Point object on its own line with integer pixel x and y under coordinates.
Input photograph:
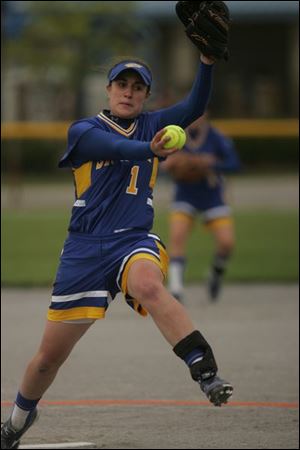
{"type": "Point", "coordinates": [223, 149]}
{"type": "Point", "coordinates": [112, 195]}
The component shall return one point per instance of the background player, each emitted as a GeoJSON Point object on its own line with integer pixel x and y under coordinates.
{"type": "Point", "coordinates": [199, 188]}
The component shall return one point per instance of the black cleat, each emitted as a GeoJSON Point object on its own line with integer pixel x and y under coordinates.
{"type": "Point", "coordinates": [214, 285]}
{"type": "Point", "coordinates": [10, 438]}
{"type": "Point", "coordinates": [217, 391]}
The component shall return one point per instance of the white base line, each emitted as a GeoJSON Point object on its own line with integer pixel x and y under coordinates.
{"type": "Point", "coordinates": [62, 445]}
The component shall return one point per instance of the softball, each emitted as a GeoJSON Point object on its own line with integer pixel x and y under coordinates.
{"type": "Point", "coordinates": [177, 135]}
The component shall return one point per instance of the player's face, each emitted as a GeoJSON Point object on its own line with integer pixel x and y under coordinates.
{"type": "Point", "coordinates": [127, 95]}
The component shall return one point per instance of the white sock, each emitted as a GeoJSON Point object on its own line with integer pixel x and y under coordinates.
{"type": "Point", "coordinates": [18, 417]}
{"type": "Point", "coordinates": [176, 269]}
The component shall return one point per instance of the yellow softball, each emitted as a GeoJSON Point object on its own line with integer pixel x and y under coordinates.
{"type": "Point", "coordinates": [177, 136]}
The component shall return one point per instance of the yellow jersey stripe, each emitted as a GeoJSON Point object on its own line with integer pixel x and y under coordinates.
{"type": "Point", "coordinates": [154, 173]}
{"type": "Point", "coordinates": [83, 178]}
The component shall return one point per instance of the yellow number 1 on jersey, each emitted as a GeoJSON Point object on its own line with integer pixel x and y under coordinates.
{"type": "Point", "coordinates": [132, 189]}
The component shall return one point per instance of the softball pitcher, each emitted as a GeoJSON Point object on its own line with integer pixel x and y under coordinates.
{"type": "Point", "coordinates": [110, 248]}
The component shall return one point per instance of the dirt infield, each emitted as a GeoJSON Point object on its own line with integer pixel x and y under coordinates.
{"type": "Point", "coordinates": [123, 388]}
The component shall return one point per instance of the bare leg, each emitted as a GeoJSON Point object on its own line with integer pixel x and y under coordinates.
{"type": "Point", "coordinates": [145, 283]}
{"type": "Point", "coordinates": [180, 229]}
{"type": "Point", "coordinates": [58, 341]}
{"type": "Point", "coordinates": [224, 239]}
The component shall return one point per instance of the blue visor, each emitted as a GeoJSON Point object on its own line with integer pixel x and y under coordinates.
{"type": "Point", "coordinates": [143, 71]}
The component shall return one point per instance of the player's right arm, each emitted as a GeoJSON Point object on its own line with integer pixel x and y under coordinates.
{"type": "Point", "coordinates": [89, 143]}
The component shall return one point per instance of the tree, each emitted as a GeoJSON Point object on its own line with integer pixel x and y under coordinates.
{"type": "Point", "coordinates": [69, 39]}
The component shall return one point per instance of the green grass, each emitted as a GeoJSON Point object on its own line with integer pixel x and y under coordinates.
{"type": "Point", "coordinates": [266, 247]}
{"type": "Point", "coordinates": [31, 246]}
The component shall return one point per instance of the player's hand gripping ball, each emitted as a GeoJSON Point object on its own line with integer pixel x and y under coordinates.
{"type": "Point", "coordinates": [177, 136]}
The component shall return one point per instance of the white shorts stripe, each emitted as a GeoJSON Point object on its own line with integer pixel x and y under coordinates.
{"type": "Point", "coordinates": [216, 213]}
{"type": "Point", "coordinates": [79, 295]}
{"type": "Point", "coordinates": [154, 236]}
{"type": "Point", "coordinates": [184, 207]}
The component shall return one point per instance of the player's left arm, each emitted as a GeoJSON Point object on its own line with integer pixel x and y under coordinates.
{"type": "Point", "coordinates": [207, 25]}
{"type": "Point", "coordinates": [193, 106]}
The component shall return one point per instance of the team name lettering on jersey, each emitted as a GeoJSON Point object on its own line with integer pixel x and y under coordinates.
{"type": "Point", "coordinates": [101, 164]}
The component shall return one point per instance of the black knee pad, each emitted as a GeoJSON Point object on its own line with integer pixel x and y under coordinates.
{"type": "Point", "coordinates": [207, 366]}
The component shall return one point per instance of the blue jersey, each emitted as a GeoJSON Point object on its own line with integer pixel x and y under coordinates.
{"type": "Point", "coordinates": [208, 192]}
{"type": "Point", "coordinates": [113, 165]}
{"type": "Point", "coordinates": [113, 195]}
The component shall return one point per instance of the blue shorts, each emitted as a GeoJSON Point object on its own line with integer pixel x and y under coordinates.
{"type": "Point", "coordinates": [209, 215]}
{"type": "Point", "coordinates": [93, 270]}
{"type": "Point", "coordinates": [208, 202]}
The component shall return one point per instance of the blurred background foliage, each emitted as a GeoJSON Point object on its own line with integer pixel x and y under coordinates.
{"type": "Point", "coordinates": [56, 55]}
{"type": "Point", "coordinates": [63, 41]}
{"type": "Point", "coordinates": [53, 52]}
